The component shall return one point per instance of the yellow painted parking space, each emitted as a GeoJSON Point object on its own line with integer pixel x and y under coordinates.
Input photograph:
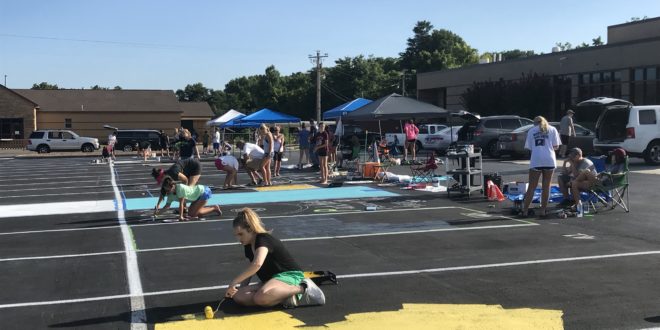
{"type": "Point", "coordinates": [286, 187]}
{"type": "Point", "coordinates": [411, 316]}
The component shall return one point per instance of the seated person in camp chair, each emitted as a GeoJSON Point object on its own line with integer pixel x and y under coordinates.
{"type": "Point", "coordinates": [578, 173]}
{"type": "Point", "coordinates": [583, 177]}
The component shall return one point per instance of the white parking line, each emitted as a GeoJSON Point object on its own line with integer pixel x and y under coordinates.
{"type": "Point", "coordinates": [295, 239]}
{"type": "Point", "coordinates": [138, 315]}
{"type": "Point", "coordinates": [29, 210]}
{"type": "Point", "coordinates": [347, 276]}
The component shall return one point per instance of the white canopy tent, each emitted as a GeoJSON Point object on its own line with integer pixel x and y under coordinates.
{"type": "Point", "coordinates": [228, 116]}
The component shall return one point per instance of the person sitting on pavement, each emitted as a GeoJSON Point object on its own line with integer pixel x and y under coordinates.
{"type": "Point", "coordinates": [579, 173]}
{"type": "Point", "coordinates": [198, 194]}
{"type": "Point", "coordinates": [228, 164]}
{"type": "Point", "coordinates": [252, 158]}
{"type": "Point", "coordinates": [282, 279]}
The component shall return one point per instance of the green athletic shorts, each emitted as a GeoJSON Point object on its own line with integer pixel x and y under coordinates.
{"type": "Point", "coordinates": [294, 277]}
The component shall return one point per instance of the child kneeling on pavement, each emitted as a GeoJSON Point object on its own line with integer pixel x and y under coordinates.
{"type": "Point", "coordinates": [282, 279]}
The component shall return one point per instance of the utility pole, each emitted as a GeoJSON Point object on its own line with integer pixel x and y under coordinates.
{"type": "Point", "coordinates": [316, 59]}
{"type": "Point", "coordinates": [403, 83]}
{"type": "Point", "coordinates": [5, 81]}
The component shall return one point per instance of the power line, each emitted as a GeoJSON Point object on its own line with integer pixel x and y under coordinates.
{"type": "Point", "coordinates": [108, 42]}
{"type": "Point", "coordinates": [335, 93]}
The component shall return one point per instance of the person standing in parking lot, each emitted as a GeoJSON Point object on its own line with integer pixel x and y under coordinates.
{"type": "Point", "coordinates": [112, 140]}
{"type": "Point", "coordinates": [542, 141]}
{"type": "Point", "coordinates": [205, 142]}
{"type": "Point", "coordinates": [164, 141]}
{"type": "Point", "coordinates": [566, 130]}
{"type": "Point", "coordinates": [411, 132]}
{"type": "Point", "coordinates": [188, 146]}
{"type": "Point", "coordinates": [303, 141]}
{"type": "Point", "coordinates": [216, 142]}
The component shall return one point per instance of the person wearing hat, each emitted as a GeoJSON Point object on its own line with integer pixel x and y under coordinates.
{"type": "Point", "coordinates": [566, 130]}
{"type": "Point", "coordinates": [579, 173]}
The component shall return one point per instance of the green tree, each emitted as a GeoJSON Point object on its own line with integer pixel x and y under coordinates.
{"type": "Point", "coordinates": [430, 50]}
{"type": "Point", "coordinates": [194, 93]}
{"type": "Point", "coordinates": [597, 41]}
{"type": "Point", "coordinates": [582, 45]}
{"type": "Point", "coordinates": [44, 85]}
{"type": "Point", "coordinates": [564, 46]}
{"type": "Point", "coordinates": [516, 53]}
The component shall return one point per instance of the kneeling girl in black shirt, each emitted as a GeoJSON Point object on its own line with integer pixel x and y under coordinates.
{"type": "Point", "coordinates": [282, 279]}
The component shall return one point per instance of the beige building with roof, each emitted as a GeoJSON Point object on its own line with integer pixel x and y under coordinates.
{"type": "Point", "coordinates": [195, 115]}
{"type": "Point", "coordinates": [87, 111]}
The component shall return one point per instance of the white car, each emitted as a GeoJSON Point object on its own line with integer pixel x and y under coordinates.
{"type": "Point", "coordinates": [620, 124]}
{"type": "Point", "coordinates": [43, 141]}
{"type": "Point", "coordinates": [441, 140]}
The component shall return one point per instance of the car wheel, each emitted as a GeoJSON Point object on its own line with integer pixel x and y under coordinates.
{"type": "Point", "coordinates": [652, 153]}
{"type": "Point", "coordinates": [87, 147]}
{"type": "Point", "coordinates": [492, 149]}
{"type": "Point", "coordinates": [43, 149]}
{"type": "Point", "coordinates": [128, 148]}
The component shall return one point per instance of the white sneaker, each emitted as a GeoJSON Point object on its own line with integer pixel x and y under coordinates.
{"type": "Point", "coordinates": [312, 296]}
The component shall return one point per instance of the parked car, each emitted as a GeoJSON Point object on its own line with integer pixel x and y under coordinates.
{"type": "Point", "coordinates": [43, 141]}
{"type": "Point", "coordinates": [622, 125]}
{"type": "Point", "coordinates": [484, 132]}
{"type": "Point", "coordinates": [424, 141]}
{"type": "Point", "coordinates": [128, 139]}
{"type": "Point", "coordinates": [441, 140]}
{"type": "Point", "coordinates": [513, 143]}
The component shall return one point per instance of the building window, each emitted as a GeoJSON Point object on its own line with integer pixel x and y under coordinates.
{"type": "Point", "coordinates": [595, 84]}
{"type": "Point", "coordinates": [67, 123]}
{"type": "Point", "coordinates": [645, 86]}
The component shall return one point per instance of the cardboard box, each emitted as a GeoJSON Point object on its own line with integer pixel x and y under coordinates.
{"type": "Point", "coordinates": [516, 188]}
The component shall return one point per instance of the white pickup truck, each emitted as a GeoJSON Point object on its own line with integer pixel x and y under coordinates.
{"type": "Point", "coordinates": [426, 139]}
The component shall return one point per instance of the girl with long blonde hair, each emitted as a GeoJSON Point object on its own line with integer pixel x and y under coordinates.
{"type": "Point", "coordinates": [542, 140]}
{"type": "Point", "coordinates": [282, 279]}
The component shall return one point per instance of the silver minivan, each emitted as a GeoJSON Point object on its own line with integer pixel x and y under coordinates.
{"type": "Point", "coordinates": [621, 124]}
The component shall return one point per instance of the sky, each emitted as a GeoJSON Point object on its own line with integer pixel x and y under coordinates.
{"type": "Point", "coordinates": [166, 44]}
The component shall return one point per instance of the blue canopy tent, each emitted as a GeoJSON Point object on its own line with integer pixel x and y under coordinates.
{"type": "Point", "coordinates": [269, 116]}
{"type": "Point", "coordinates": [345, 108]}
{"type": "Point", "coordinates": [237, 123]}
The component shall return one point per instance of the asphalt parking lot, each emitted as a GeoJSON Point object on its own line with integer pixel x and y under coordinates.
{"type": "Point", "coordinates": [78, 250]}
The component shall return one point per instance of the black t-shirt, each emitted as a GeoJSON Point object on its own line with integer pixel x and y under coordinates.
{"type": "Point", "coordinates": [187, 147]}
{"type": "Point", "coordinates": [189, 167]}
{"type": "Point", "coordinates": [278, 259]}
{"type": "Point", "coordinates": [164, 140]}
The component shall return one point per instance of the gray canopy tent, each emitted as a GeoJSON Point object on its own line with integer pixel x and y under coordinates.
{"type": "Point", "coordinates": [395, 107]}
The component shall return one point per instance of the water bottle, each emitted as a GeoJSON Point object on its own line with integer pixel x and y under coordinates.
{"type": "Point", "coordinates": [580, 210]}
